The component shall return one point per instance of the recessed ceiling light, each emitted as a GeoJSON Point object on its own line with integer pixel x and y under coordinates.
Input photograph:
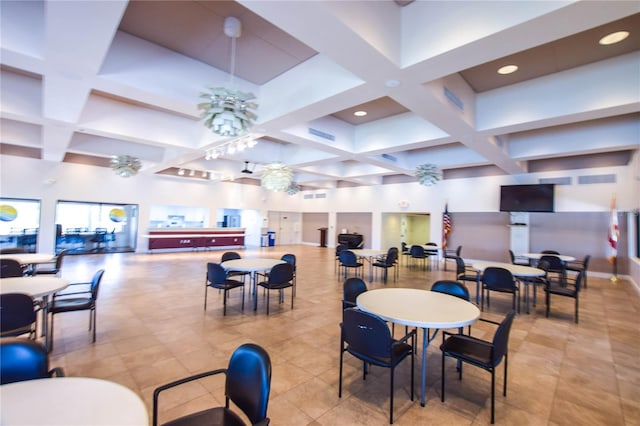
{"type": "Point", "coordinates": [180, 172]}
{"type": "Point", "coordinates": [507, 69]}
{"type": "Point", "coordinates": [614, 38]}
{"type": "Point", "coordinates": [360, 113]}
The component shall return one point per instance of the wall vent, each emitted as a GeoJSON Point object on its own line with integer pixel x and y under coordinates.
{"type": "Point", "coordinates": [557, 181]}
{"type": "Point", "coordinates": [390, 157]}
{"type": "Point", "coordinates": [323, 195]}
{"type": "Point", "coordinates": [308, 196]}
{"type": "Point", "coordinates": [586, 180]}
{"type": "Point", "coordinates": [321, 134]}
{"type": "Point", "coordinates": [454, 99]}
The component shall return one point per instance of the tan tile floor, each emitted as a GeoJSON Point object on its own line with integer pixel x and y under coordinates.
{"type": "Point", "coordinates": [152, 329]}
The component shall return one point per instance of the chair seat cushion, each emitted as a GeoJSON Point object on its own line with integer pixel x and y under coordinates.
{"type": "Point", "coordinates": [399, 353]}
{"type": "Point", "coordinates": [275, 286]}
{"type": "Point", "coordinates": [70, 304]}
{"type": "Point", "coordinates": [468, 349]}
{"type": "Point", "coordinates": [227, 285]}
{"type": "Point", "coordinates": [213, 416]}
{"type": "Point", "coordinates": [563, 291]}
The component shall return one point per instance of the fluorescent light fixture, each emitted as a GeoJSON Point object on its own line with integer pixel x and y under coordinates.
{"type": "Point", "coordinates": [360, 113]}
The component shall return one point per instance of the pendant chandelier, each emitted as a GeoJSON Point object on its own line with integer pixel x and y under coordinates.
{"type": "Point", "coordinates": [428, 174]}
{"type": "Point", "coordinates": [276, 177]}
{"type": "Point", "coordinates": [228, 112]}
{"type": "Point", "coordinates": [125, 165]}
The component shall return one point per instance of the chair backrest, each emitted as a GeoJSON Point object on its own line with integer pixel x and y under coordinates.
{"type": "Point", "coordinates": [347, 257]}
{"type": "Point", "coordinates": [392, 256]}
{"type": "Point", "coordinates": [216, 274]}
{"type": "Point", "coordinates": [289, 258]}
{"type": "Point", "coordinates": [432, 244]}
{"type": "Point", "coordinates": [512, 256]}
{"type": "Point", "coordinates": [453, 288]}
{"type": "Point", "coordinates": [341, 247]}
{"type": "Point", "coordinates": [281, 273]}
{"type": "Point", "coordinates": [555, 264]}
{"type": "Point", "coordinates": [501, 338]}
{"type": "Point", "coordinates": [95, 284]}
{"type": "Point", "coordinates": [248, 381]}
{"type": "Point", "coordinates": [460, 267]}
{"type": "Point", "coordinates": [10, 268]}
{"type": "Point", "coordinates": [458, 251]}
{"type": "Point", "coordinates": [417, 251]}
{"type": "Point", "coordinates": [578, 283]}
{"type": "Point", "coordinates": [229, 255]}
{"type": "Point", "coordinates": [366, 334]}
{"type": "Point", "coordinates": [16, 313]}
{"type": "Point", "coordinates": [403, 246]}
{"type": "Point", "coordinates": [498, 278]}
{"type": "Point", "coordinates": [351, 289]}
{"type": "Point", "coordinates": [59, 259]}
{"type": "Point", "coordinates": [585, 262]}
{"type": "Point", "coordinates": [22, 359]}
{"type": "Point", "coordinates": [549, 252]}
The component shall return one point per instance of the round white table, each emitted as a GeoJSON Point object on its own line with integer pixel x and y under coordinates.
{"type": "Point", "coordinates": [537, 256]}
{"type": "Point", "coordinates": [419, 308]}
{"type": "Point", "coordinates": [252, 265]}
{"type": "Point", "coordinates": [36, 287]}
{"type": "Point", "coordinates": [525, 272]}
{"type": "Point", "coordinates": [30, 258]}
{"type": "Point", "coordinates": [70, 401]}
{"type": "Point", "coordinates": [369, 255]}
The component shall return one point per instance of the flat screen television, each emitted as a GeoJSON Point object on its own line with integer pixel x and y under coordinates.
{"type": "Point", "coordinates": [527, 198]}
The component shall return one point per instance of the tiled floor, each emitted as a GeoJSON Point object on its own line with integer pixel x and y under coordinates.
{"type": "Point", "coordinates": [152, 329]}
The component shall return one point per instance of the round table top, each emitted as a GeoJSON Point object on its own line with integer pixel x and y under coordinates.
{"type": "Point", "coordinates": [37, 286]}
{"type": "Point", "coordinates": [517, 270]}
{"type": "Point", "coordinates": [251, 264]}
{"type": "Point", "coordinates": [562, 257]}
{"type": "Point", "coordinates": [368, 252]}
{"type": "Point", "coordinates": [30, 258]}
{"type": "Point", "coordinates": [418, 308]}
{"type": "Point", "coordinates": [70, 401]}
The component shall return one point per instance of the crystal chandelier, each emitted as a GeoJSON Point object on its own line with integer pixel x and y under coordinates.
{"type": "Point", "coordinates": [428, 174]}
{"type": "Point", "coordinates": [276, 177]}
{"type": "Point", "coordinates": [228, 112]}
{"type": "Point", "coordinates": [125, 165]}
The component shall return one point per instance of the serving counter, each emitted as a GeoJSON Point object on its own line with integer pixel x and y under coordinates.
{"type": "Point", "coordinates": [194, 238]}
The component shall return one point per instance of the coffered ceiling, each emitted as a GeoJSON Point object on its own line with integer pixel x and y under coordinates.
{"type": "Point", "coordinates": [82, 81]}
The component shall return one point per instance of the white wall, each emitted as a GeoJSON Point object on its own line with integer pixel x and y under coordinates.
{"type": "Point", "coordinates": [49, 182]}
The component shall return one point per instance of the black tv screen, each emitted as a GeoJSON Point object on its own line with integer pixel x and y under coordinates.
{"type": "Point", "coordinates": [527, 198]}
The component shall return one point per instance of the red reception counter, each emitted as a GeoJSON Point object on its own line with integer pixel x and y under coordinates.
{"type": "Point", "coordinates": [195, 238]}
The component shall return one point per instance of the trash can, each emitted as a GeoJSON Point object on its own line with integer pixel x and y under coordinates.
{"type": "Point", "coordinates": [272, 238]}
{"type": "Point", "coordinates": [264, 240]}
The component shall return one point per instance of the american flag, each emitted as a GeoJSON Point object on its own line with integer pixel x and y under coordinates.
{"type": "Point", "coordinates": [446, 226]}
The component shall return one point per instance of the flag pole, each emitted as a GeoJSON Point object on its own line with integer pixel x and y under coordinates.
{"type": "Point", "coordinates": [614, 233]}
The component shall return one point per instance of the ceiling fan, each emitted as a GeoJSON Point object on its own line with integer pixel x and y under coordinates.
{"type": "Point", "coordinates": [246, 168]}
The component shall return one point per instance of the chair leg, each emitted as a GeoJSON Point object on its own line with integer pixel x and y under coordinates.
{"type": "Point", "coordinates": [340, 379]}
{"type": "Point", "coordinates": [268, 293]}
{"type": "Point", "coordinates": [224, 302]}
{"type": "Point", "coordinates": [95, 324]}
{"type": "Point", "coordinates": [443, 380]}
{"type": "Point", "coordinates": [493, 395]}
{"type": "Point", "coordinates": [206, 287]}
